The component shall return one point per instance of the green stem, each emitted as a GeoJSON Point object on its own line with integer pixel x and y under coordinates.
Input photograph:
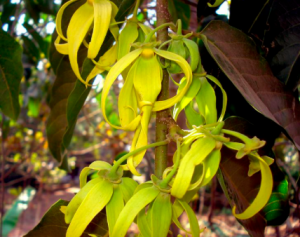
{"type": "Point", "coordinates": [238, 135]}
{"type": "Point", "coordinates": [179, 27]}
{"type": "Point", "coordinates": [167, 180]}
{"type": "Point", "coordinates": [137, 4]}
{"type": "Point", "coordinates": [123, 158]}
{"type": "Point", "coordinates": [161, 153]}
{"type": "Point", "coordinates": [149, 36]}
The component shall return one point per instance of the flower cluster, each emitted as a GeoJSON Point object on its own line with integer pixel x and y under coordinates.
{"type": "Point", "coordinates": [137, 56]}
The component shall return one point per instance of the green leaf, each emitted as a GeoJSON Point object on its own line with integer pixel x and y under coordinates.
{"type": "Point", "coordinates": [180, 10]}
{"type": "Point", "coordinates": [11, 72]}
{"type": "Point", "coordinates": [53, 225]}
{"type": "Point", "coordinates": [43, 45]}
{"type": "Point", "coordinates": [236, 55]}
{"type": "Point", "coordinates": [57, 122]}
{"type": "Point", "coordinates": [30, 49]}
{"type": "Point", "coordinates": [9, 10]}
{"type": "Point", "coordinates": [11, 217]}
{"type": "Point", "coordinates": [241, 189]}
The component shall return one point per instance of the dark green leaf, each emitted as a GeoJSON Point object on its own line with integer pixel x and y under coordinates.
{"type": "Point", "coordinates": [236, 55]}
{"type": "Point", "coordinates": [30, 49]}
{"type": "Point", "coordinates": [241, 189]}
{"type": "Point", "coordinates": [43, 45]}
{"type": "Point", "coordinates": [9, 10]}
{"type": "Point", "coordinates": [33, 10]}
{"type": "Point", "coordinates": [11, 72]}
{"type": "Point", "coordinates": [180, 10]}
{"type": "Point", "coordinates": [57, 123]}
{"type": "Point", "coordinates": [53, 224]}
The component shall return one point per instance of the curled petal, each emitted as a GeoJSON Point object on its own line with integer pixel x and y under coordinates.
{"type": "Point", "coordinates": [102, 14]}
{"type": "Point", "coordinates": [114, 208]}
{"type": "Point", "coordinates": [263, 195]}
{"type": "Point", "coordinates": [92, 204]}
{"type": "Point", "coordinates": [61, 48]}
{"type": "Point", "coordinates": [110, 78]}
{"type": "Point", "coordinates": [78, 198]}
{"type": "Point", "coordinates": [78, 27]}
{"type": "Point", "coordinates": [188, 97]}
{"type": "Point", "coordinates": [128, 35]}
{"type": "Point", "coordinates": [58, 20]}
{"type": "Point", "coordinates": [161, 105]}
{"type": "Point", "coordinates": [132, 208]}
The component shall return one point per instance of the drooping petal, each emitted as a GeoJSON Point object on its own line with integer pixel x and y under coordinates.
{"type": "Point", "coordinates": [224, 103]}
{"type": "Point", "coordinates": [132, 208]}
{"type": "Point", "coordinates": [114, 208]}
{"type": "Point", "coordinates": [211, 165]}
{"type": "Point", "coordinates": [193, 117]}
{"type": "Point", "coordinates": [217, 3]}
{"type": "Point", "coordinates": [61, 48]}
{"type": "Point", "coordinates": [192, 219]}
{"type": "Point", "coordinates": [194, 53]}
{"type": "Point", "coordinates": [161, 105]}
{"type": "Point", "coordinates": [105, 61]}
{"type": "Point", "coordinates": [142, 140]}
{"type": "Point", "coordinates": [161, 215]}
{"type": "Point", "coordinates": [78, 198]}
{"type": "Point", "coordinates": [128, 35]}
{"type": "Point", "coordinates": [113, 28]}
{"type": "Point", "coordinates": [188, 97]}
{"type": "Point", "coordinates": [110, 78]}
{"type": "Point", "coordinates": [127, 187]}
{"type": "Point", "coordinates": [263, 195]}
{"type": "Point", "coordinates": [92, 204]}
{"type": "Point", "coordinates": [206, 100]}
{"type": "Point", "coordinates": [143, 223]}
{"type": "Point", "coordinates": [127, 102]}
{"type": "Point", "coordinates": [78, 27]}
{"type": "Point", "coordinates": [186, 168]}
{"type": "Point", "coordinates": [147, 79]}
{"type": "Point", "coordinates": [102, 17]}
{"type": "Point", "coordinates": [58, 20]}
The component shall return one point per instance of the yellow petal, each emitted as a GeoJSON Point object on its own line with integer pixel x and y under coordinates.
{"type": "Point", "coordinates": [58, 20]}
{"type": "Point", "coordinates": [114, 208]}
{"type": "Point", "coordinates": [77, 30]}
{"type": "Point", "coordinates": [127, 102]}
{"type": "Point", "coordinates": [263, 195]}
{"type": "Point", "coordinates": [61, 48]}
{"type": "Point", "coordinates": [92, 204]}
{"type": "Point", "coordinates": [114, 29]}
{"type": "Point", "coordinates": [142, 140]}
{"type": "Point", "coordinates": [102, 14]}
{"type": "Point", "coordinates": [160, 105]}
{"type": "Point", "coordinates": [110, 78]}
{"type": "Point", "coordinates": [128, 35]}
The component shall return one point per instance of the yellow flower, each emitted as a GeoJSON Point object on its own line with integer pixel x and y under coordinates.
{"type": "Point", "coordinates": [95, 195]}
{"type": "Point", "coordinates": [137, 99]}
{"type": "Point", "coordinates": [97, 14]}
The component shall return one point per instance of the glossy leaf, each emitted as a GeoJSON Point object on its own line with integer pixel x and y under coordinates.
{"type": "Point", "coordinates": [236, 55]}
{"type": "Point", "coordinates": [53, 225]}
{"type": "Point", "coordinates": [11, 72]}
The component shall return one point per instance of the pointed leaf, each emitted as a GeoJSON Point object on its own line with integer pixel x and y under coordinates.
{"type": "Point", "coordinates": [237, 56]}
{"type": "Point", "coordinates": [11, 72]}
{"type": "Point", "coordinates": [53, 225]}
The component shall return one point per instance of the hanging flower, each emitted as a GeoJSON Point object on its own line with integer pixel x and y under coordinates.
{"type": "Point", "coordinates": [107, 190]}
{"type": "Point", "coordinates": [97, 14]}
{"type": "Point", "coordinates": [137, 99]}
